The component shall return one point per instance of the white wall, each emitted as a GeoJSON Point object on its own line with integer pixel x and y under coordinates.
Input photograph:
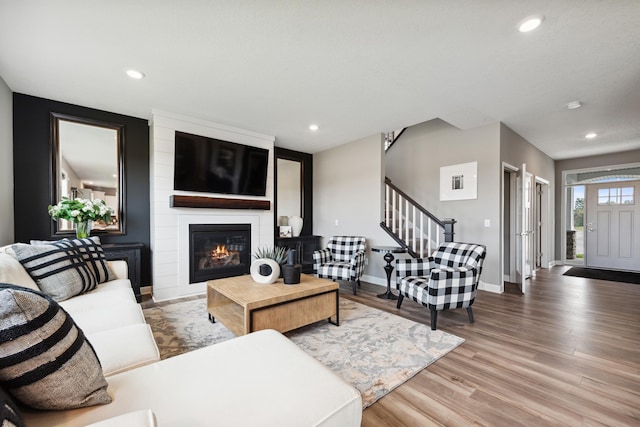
{"type": "Point", "coordinates": [170, 226]}
{"type": "Point", "coordinates": [6, 164]}
{"type": "Point", "coordinates": [413, 164]}
{"type": "Point", "coordinates": [347, 187]}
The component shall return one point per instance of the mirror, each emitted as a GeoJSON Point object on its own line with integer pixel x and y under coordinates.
{"type": "Point", "coordinates": [87, 158]}
{"type": "Point", "coordinates": [289, 181]}
{"type": "Point", "coordinates": [293, 189]}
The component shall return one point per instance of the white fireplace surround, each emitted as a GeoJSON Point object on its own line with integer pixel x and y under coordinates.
{"type": "Point", "coordinates": [170, 226]}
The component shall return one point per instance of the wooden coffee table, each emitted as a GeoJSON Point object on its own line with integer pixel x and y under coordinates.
{"type": "Point", "coordinates": [245, 306]}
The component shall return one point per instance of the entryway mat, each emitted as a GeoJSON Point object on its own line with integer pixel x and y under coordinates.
{"type": "Point", "coordinates": [611, 275]}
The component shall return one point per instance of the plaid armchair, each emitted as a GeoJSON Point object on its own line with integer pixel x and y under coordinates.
{"type": "Point", "coordinates": [448, 279]}
{"type": "Point", "coordinates": [343, 259]}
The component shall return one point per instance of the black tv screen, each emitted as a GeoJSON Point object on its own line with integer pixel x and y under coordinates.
{"type": "Point", "coordinates": [213, 166]}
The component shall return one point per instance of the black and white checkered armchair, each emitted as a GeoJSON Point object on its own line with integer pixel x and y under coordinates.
{"type": "Point", "coordinates": [447, 279]}
{"type": "Point", "coordinates": [343, 259]}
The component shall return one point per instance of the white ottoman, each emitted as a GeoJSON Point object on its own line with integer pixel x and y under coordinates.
{"type": "Point", "coordinates": [260, 379]}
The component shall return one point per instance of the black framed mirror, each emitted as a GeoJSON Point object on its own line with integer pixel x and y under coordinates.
{"type": "Point", "coordinates": [293, 188]}
{"type": "Point", "coordinates": [87, 161]}
{"type": "Point", "coordinates": [289, 184]}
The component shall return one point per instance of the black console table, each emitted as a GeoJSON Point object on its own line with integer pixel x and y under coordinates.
{"type": "Point", "coordinates": [305, 245]}
{"type": "Point", "coordinates": [130, 252]}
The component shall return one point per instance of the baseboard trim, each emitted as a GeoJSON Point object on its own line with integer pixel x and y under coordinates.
{"type": "Point", "coordinates": [489, 287]}
{"type": "Point", "coordinates": [177, 297]}
{"type": "Point", "coordinates": [377, 281]}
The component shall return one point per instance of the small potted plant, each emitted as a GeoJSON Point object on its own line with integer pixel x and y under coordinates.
{"type": "Point", "coordinates": [266, 267]}
{"type": "Point", "coordinates": [276, 253]}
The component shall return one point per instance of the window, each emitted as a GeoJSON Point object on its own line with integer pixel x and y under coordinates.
{"type": "Point", "coordinates": [616, 196]}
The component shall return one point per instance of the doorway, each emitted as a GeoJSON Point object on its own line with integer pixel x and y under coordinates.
{"type": "Point", "coordinates": [526, 220]}
{"type": "Point", "coordinates": [611, 229]}
{"type": "Point", "coordinates": [601, 217]}
{"type": "Point", "coordinates": [542, 223]}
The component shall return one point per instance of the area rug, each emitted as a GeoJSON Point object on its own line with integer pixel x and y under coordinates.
{"type": "Point", "coordinates": [374, 350]}
{"type": "Point", "coordinates": [611, 275]}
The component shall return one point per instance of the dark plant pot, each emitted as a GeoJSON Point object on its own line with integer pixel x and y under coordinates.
{"type": "Point", "coordinates": [291, 273]}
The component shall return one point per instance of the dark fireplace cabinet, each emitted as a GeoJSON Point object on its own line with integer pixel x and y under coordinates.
{"type": "Point", "coordinates": [131, 253]}
{"type": "Point", "coordinates": [305, 245]}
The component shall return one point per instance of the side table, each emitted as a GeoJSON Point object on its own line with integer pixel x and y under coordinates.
{"type": "Point", "coordinates": [388, 252]}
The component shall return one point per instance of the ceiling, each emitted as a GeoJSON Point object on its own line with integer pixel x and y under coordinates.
{"type": "Point", "coordinates": [354, 68]}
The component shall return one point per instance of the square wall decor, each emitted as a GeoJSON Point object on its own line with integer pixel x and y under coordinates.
{"type": "Point", "coordinates": [459, 182]}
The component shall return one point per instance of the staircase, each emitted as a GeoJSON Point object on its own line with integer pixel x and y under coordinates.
{"type": "Point", "coordinates": [412, 226]}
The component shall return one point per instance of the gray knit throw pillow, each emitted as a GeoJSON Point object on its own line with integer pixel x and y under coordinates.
{"type": "Point", "coordinates": [92, 253]}
{"type": "Point", "coordinates": [45, 360]}
{"type": "Point", "coordinates": [59, 272]}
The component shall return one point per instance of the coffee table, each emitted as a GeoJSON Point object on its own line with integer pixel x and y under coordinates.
{"type": "Point", "coordinates": [245, 306]}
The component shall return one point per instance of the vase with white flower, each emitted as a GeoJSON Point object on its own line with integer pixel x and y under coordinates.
{"type": "Point", "coordinates": [81, 212]}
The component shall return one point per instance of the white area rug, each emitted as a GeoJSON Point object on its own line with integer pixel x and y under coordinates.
{"type": "Point", "coordinates": [374, 350]}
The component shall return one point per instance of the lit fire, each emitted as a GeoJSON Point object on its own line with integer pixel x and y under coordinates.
{"type": "Point", "coordinates": [220, 256]}
{"type": "Point", "coordinates": [220, 252]}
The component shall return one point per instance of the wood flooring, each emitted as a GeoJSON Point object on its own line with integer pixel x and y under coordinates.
{"type": "Point", "coordinates": [566, 353]}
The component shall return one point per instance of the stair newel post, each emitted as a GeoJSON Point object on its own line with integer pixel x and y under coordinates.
{"type": "Point", "coordinates": [448, 229]}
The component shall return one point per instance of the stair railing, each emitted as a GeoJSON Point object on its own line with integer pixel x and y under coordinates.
{"type": "Point", "coordinates": [391, 137]}
{"type": "Point", "coordinates": [412, 226]}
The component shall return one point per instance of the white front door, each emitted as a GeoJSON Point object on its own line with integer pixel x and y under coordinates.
{"type": "Point", "coordinates": [612, 228]}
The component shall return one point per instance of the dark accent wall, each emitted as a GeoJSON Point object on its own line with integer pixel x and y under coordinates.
{"type": "Point", "coordinates": [32, 172]}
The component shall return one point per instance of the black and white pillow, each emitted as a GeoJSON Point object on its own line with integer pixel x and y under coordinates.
{"type": "Point", "coordinates": [59, 272]}
{"type": "Point", "coordinates": [9, 415]}
{"type": "Point", "coordinates": [45, 360]}
{"type": "Point", "coordinates": [92, 253]}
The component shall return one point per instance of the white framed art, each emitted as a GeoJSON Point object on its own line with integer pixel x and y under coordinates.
{"type": "Point", "coordinates": [285, 231]}
{"type": "Point", "coordinates": [459, 182]}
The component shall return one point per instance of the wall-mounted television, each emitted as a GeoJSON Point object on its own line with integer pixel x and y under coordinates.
{"type": "Point", "coordinates": [211, 165]}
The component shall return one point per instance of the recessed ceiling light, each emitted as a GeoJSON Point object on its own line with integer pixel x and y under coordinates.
{"type": "Point", "coordinates": [135, 74]}
{"type": "Point", "coordinates": [313, 127]}
{"type": "Point", "coordinates": [573, 105]}
{"type": "Point", "coordinates": [530, 23]}
{"type": "Point", "coordinates": [591, 135]}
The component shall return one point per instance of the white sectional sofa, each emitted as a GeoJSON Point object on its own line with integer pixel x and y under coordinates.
{"type": "Point", "coordinates": [109, 316]}
{"type": "Point", "coordinates": [260, 379]}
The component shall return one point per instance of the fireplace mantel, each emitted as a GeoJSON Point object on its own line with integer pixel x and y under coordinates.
{"type": "Point", "coordinates": [176, 201]}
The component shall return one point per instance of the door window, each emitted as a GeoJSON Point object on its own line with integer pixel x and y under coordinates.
{"type": "Point", "coordinates": [615, 196]}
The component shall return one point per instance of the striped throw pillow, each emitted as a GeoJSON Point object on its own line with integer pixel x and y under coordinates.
{"type": "Point", "coordinates": [92, 253]}
{"type": "Point", "coordinates": [45, 360]}
{"type": "Point", "coordinates": [59, 272]}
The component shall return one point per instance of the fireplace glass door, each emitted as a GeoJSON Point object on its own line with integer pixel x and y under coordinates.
{"type": "Point", "coordinates": [218, 250]}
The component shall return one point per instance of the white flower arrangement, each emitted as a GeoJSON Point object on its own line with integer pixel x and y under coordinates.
{"type": "Point", "coordinates": [81, 210]}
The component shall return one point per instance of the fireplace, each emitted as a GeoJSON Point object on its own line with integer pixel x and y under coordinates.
{"type": "Point", "coordinates": [218, 250]}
